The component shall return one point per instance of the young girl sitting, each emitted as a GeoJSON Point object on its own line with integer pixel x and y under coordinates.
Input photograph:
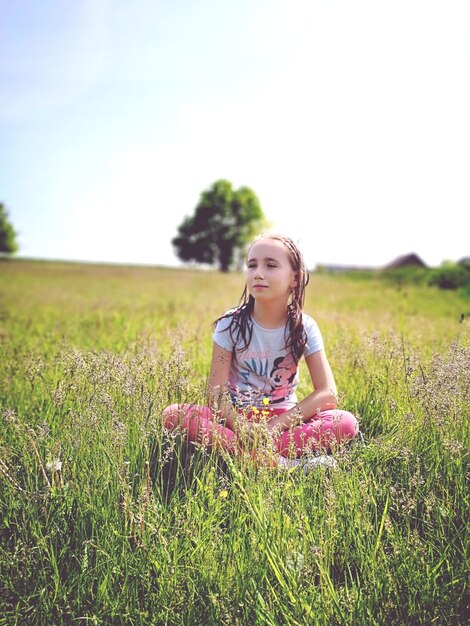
{"type": "Point", "coordinates": [252, 404]}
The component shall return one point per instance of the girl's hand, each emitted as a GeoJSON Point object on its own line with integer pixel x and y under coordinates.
{"type": "Point", "coordinates": [274, 426]}
{"type": "Point", "coordinates": [284, 421]}
{"type": "Point", "coordinates": [254, 434]}
{"type": "Point", "coordinates": [246, 431]}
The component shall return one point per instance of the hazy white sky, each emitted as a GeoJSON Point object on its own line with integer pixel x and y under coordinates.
{"type": "Point", "coordinates": [349, 120]}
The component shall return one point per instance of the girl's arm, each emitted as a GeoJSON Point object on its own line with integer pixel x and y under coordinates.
{"type": "Point", "coordinates": [217, 396]}
{"type": "Point", "coordinates": [323, 396]}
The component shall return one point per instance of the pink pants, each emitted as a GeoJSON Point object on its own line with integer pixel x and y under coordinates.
{"type": "Point", "coordinates": [324, 431]}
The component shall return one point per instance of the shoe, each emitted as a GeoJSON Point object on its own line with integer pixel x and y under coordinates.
{"type": "Point", "coordinates": [307, 464]}
{"type": "Point", "coordinates": [315, 461]}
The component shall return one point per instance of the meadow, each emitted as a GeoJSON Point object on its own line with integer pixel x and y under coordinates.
{"type": "Point", "coordinates": [106, 519]}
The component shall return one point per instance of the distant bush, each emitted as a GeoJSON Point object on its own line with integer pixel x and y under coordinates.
{"type": "Point", "coordinates": [406, 275]}
{"type": "Point", "coordinates": [450, 276]}
{"type": "Point", "coordinates": [465, 263]}
{"type": "Point", "coordinates": [346, 273]}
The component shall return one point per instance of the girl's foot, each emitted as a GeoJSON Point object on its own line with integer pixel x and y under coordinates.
{"type": "Point", "coordinates": [307, 464]}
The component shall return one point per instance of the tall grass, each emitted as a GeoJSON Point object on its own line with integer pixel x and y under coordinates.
{"type": "Point", "coordinates": [106, 519]}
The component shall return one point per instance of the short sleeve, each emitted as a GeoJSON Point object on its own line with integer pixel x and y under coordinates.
{"type": "Point", "coordinates": [221, 334]}
{"type": "Point", "coordinates": [314, 336]}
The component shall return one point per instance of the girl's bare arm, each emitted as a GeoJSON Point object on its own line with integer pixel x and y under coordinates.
{"type": "Point", "coordinates": [217, 389]}
{"type": "Point", "coordinates": [323, 396]}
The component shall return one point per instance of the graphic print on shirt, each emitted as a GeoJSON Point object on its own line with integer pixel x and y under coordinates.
{"type": "Point", "coordinates": [250, 369]}
{"type": "Point", "coordinates": [281, 377]}
{"type": "Point", "coordinates": [278, 380]}
{"type": "Point", "coordinates": [258, 368]}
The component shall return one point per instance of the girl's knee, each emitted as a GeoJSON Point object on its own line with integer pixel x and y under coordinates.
{"type": "Point", "coordinates": [182, 414]}
{"type": "Point", "coordinates": [348, 424]}
{"type": "Point", "coordinates": [173, 415]}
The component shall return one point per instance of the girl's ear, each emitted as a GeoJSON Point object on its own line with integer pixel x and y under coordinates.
{"type": "Point", "coordinates": [295, 281]}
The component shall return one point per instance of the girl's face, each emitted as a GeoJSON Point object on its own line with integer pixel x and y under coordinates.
{"type": "Point", "coordinates": [269, 273]}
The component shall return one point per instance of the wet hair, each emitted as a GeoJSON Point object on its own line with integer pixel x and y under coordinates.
{"type": "Point", "coordinates": [241, 322]}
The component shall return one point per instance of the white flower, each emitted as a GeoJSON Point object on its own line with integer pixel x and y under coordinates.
{"type": "Point", "coordinates": [54, 466]}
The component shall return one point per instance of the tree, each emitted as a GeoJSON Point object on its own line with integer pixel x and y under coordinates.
{"type": "Point", "coordinates": [8, 242]}
{"type": "Point", "coordinates": [223, 223]}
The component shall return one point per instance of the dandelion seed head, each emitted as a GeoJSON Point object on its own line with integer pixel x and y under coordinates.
{"type": "Point", "coordinates": [55, 465]}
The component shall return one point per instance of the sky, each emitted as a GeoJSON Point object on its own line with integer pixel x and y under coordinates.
{"type": "Point", "coordinates": [349, 120]}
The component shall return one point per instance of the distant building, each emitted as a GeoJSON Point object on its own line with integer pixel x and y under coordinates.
{"type": "Point", "coordinates": [406, 260]}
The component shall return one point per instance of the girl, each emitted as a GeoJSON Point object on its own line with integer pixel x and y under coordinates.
{"type": "Point", "coordinates": [254, 372]}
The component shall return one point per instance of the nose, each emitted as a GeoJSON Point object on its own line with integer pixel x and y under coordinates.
{"type": "Point", "coordinates": [258, 273]}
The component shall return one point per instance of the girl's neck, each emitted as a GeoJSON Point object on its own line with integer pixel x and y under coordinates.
{"type": "Point", "coordinates": [269, 316]}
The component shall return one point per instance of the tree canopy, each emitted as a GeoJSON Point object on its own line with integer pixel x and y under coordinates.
{"type": "Point", "coordinates": [8, 243]}
{"type": "Point", "coordinates": [224, 221]}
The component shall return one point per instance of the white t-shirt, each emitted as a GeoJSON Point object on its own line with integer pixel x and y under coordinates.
{"type": "Point", "coordinates": [265, 369]}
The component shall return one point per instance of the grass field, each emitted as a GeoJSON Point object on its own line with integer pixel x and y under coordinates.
{"type": "Point", "coordinates": [107, 520]}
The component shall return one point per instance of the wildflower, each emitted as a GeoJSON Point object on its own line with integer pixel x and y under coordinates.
{"type": "Point", "coordinates": [265, 401]}
{"type": "Point", "coordinates": [223, 494]}
{"type": "Point", "coordinates": [54, 466]}
{"type": "Point", "coordinates": [317, 551]}
{"type": "Point", "coordinates": [295, 561]}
